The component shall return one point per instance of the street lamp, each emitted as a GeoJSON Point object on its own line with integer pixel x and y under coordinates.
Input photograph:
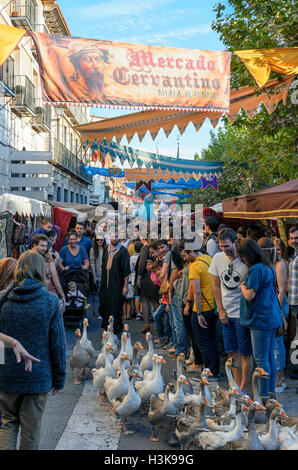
{"type": "Point", "coordinates": [59, 111]}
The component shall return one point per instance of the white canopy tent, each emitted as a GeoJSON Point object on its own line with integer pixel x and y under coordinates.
{"type": "Point", "coordinates": [24, 206]}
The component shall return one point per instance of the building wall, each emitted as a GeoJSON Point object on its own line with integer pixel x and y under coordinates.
{"type": "Point", "coordinates": [17, 133]}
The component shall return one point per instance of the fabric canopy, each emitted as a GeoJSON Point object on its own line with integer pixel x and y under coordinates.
{"type": "Point", "coordinates": [171, 184]}
{"type": "Point", "coordinates": [277, 202]}
{"type": "Point", "coordinates": [9, 39]}
{"type": "Point", "coordinates": [139, 123]}
{"type": "Point", "coordinates": [260, 62]}
{"type": "Point", "coordinates": [24, 206]}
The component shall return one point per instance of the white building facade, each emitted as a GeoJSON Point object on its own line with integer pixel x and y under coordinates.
{"type": "Point", "coordinates": [41, 153]}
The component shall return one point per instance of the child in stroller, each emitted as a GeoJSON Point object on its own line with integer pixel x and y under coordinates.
{"type": "Point", "coordinates": [74, 297]}
{"type": "Point", "coordinates": [75, 284]}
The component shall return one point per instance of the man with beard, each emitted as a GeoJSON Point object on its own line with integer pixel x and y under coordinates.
{"type": "Point", "coordinates": [228, 272]}
{"type": "Point", "coordinates": [40, 244]}
{"type": "Point", "coordinates": [114, 282]}
{"type": "Point", "coordinates": [89, 62]}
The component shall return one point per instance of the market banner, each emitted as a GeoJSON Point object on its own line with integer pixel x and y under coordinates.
{"type": "Point", "coordinates": [105, 73]}
{"type": "Point", "coordinates": [9, 39]}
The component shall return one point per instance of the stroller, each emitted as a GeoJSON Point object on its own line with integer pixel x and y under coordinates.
{"type": "Point", "coordinates": [74, 313]}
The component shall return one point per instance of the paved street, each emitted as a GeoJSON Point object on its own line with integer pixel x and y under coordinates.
{"type": "Point", "coordinates": [74, 420]}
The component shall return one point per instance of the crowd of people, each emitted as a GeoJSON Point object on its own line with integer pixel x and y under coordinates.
{"type": "Point", "coordinates": [232, 294]}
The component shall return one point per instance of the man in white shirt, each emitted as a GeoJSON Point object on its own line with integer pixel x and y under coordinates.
{"type": "Point", "coordinates": [228, 272]}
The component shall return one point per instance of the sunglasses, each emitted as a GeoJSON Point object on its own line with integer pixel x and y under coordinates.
{"type": "Point", "coordinates": [230, 269]}
{"type": "Point", "coordinates": [99, 240]}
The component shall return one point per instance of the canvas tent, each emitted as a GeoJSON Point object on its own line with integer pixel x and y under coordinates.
{"type": "Point", "coordinates": [277, 202]}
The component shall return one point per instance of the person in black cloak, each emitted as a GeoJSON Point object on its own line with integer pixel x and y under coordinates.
{"type": "Point", "coordinates": [114, 282]}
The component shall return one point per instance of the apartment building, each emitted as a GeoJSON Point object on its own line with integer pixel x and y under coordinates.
{"type": "Point", "coordinates": [41, 153]}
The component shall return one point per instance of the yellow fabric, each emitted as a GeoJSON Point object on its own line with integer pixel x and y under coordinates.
{"type": "Point", "coordinates": [199, 270]}
{"type": "Point", "coordinates": [131, 249]}
{"type": "Point", "coordinates": [9, 39]}
{"type": "Point", "coordinates": [260, 62]}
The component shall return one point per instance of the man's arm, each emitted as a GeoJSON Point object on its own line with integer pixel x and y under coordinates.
{"type": "Point", "coordinates": [196, 290]}
{"type": "Point", "coordinates": [174, 276]}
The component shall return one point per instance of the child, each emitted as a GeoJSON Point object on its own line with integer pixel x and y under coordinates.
{"type": "Point", "coordinates": [74, 297]}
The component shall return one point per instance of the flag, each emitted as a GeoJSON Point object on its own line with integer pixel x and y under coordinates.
{"type": "Point", "coordinates": [148, 185]}
{"type": "Point", "coordinates": [212, 183]}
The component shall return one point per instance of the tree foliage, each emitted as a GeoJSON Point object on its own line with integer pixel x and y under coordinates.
{"type": "Point", "coordinates": [259, 152]}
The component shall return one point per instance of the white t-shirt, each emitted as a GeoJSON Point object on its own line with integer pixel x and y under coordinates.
{"type": "Point", "coordinates": [229, 283]}
{"type": "Point", "coordinates": [212, 247]}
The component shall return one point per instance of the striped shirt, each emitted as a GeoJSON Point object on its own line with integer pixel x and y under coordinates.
{"type": "Point", "coordinates": [293, 282]}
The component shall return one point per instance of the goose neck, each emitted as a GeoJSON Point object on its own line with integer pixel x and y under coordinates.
{"type": "Point", "coordinates": [255, 389]}
{"type": "Point", "coordinates": [231, 380]}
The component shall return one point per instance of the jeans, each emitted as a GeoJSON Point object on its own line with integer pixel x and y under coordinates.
{"type": "Point", "coordinates": [163, 329]}
{"type": "Point", "coordinates": [180, 330]}
{"type": "Point", "coordinates": [21, 411]}
{"type": "Point", "coordinates": [195, 348]}
{"type": "Point", "coordinates": [280, 353]}
{"type": "Point", "coordinates": [263, 345]}
{"type": "Point", "coordinates": [206, 340]}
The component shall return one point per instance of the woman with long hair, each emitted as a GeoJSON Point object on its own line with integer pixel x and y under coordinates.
{"type": "Point", "coordinates": [31, 314]}
{"type": "Point", "coordinates": [96, 252]}
{"type": "Point", "coordinates": [280, 266]}
{"type": "Point", "coordinates": [7, 269]}
{"type": "Point", "coordinates": [259, 309]}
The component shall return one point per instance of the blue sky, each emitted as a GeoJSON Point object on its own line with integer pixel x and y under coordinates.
{"type": "Point", "coordinates": [170, 23]}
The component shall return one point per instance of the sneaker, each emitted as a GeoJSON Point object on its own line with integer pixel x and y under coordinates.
{"type": "Point", "coordinates": [189, 361]}
{"type": "Point", "coordinates": [165, 342]}
{"type": "Point", "coordinates": [151, 320]}
{"type": "Point", "coordinates": [139, 317]}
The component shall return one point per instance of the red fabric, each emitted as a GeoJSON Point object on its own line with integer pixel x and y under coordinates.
{"type": "Point", "coordinates": [61, 218]}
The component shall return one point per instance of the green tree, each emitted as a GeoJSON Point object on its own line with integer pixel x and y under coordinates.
{"type": "Point", "coordinates": [259, 152]}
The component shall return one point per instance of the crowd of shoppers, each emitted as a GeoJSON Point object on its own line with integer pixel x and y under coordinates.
{"type": "Point", "coordinates": [229, 295]}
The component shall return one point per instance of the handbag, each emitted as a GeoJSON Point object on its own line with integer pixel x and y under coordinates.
{"type": "Point", "coordinates": [292, 326]}
{"type": "Point", "coordinates": [164, 286]}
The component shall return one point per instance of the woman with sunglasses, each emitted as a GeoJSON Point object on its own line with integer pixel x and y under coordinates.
{"type": "Point", "coordinates": [96, 252]}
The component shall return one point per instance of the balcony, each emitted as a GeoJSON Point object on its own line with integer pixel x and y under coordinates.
{"type": "Point", "coordinates": [69, 162]}
{"type": "Point", "coordinates": [43, 118]}
{"type": "Point", "coordinates": [7, 77]}
{"type": "Point", "coordinates": [23, 14]}
{"type": "Point", "coordinates": [24, 102]}
{"type": "Point", "coordinates": [76, 114]}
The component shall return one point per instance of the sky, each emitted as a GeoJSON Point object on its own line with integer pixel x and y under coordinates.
{"type": "Point", "coordinates": [169, 23]}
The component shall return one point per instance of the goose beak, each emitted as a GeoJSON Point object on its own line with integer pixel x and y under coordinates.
{"type": "Point", "coordinates": [235, 392]}
{"type": "Point", "coordinates": [249, 401]}
{"type": "Point", "coordinates": [205, 381]}
{"type": "Point", "coordinates": [163, 361]}
{"type": "Point", "coordinates": [283, 414]}
{"type": "Point", "coordinates": [264, 374]}
{"type": "Point", "coordinates": [127, 357]}
{"type": "Point", "coordinates": [138, 375]}
{"type": "Point", "coordinates": [140, 347]}
{"type": "Point", "coordinates": [185, 382]}
{"type": "Point", "coordinates": [181, 356]}
{"type": "Point", "coordinates": [209, 373]}
{"type": "Point", "coordinates": [277, 404]}
{"type": "Point", "coordinates": [245, 408]}
{"type": "Point", "coordinates": [260, 408]}
{"type": "Point", "coordinates": [208, 404]}
{"type": "Point", "coordinates": [111, 348]}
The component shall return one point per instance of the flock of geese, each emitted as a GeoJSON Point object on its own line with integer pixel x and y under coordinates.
{"type": "Point", "coordinates": [214, 418]}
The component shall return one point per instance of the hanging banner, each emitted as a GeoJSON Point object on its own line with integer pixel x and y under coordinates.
{"type": "Point", "coordinates": [112, 172]}
{"type": "Point", "coordinates": [104, 73]}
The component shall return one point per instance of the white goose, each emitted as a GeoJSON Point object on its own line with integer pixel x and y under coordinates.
{"type": "Point", "coordinates": [129, 348]}
{"type": "Point", "coordinates": [230, 362]}
{"type": "Point", "coordinates": [196, 398]}
{"type": "Point", "coordinates": [214, 440]}
{"type": "Point", "coordinates": [148, 375]}
{"type": "Point", "coordinates": [111, 340]}
{"type": "Point", "coordinates": [80, 358]}
{"type": "Point", "coordinates": [154, 386]}
{"type": "Point", "coordinates": [123, 350]}
{"type": "Point", "coordinates": [177, 398]}
{"type": "Point", "coordinates": [100, 375]}
{"type": "Point", "coordinates": [188, 389]}
{"type": "Point", "coordinates": [146, 362]}
{"type": "Point", "coordinates": [101, 358]}
{"type": "Point", "coordinates": [85, 342]}
{"type": "Point", "coordinates": [270, 439]}
{"type": "Point", "coordinates": [128, 404]}
{"type": "Point", "coordinates": [119, 386]}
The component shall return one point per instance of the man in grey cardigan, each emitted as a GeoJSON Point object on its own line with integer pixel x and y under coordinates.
{"type": "Point", "coordinates": [32, 315]}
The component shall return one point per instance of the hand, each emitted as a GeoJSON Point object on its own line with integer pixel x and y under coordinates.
{"type": "Point", "coordinates": [223, 316]}
{"type": "Point", "coordinates": [55, 391]}
{"type": "Point", "coordinates": [180, 273]}
{"type": "Point", "coordinates": [186, 310]}
{"type": "Point", "coordinates": [63, 301]}
{"type": "Point", "coordinates": [124, 291]}
{"type": "Point", "coordinates": [20, 351]}
{"type": "Point", "coordinates": [202, 321]}
{"type": "Point", "coordinates": [66, 268]}
{"type": "Point", "coordinates": [170, 298]}
{"type": "Point", "coordinates": [84, 267]}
